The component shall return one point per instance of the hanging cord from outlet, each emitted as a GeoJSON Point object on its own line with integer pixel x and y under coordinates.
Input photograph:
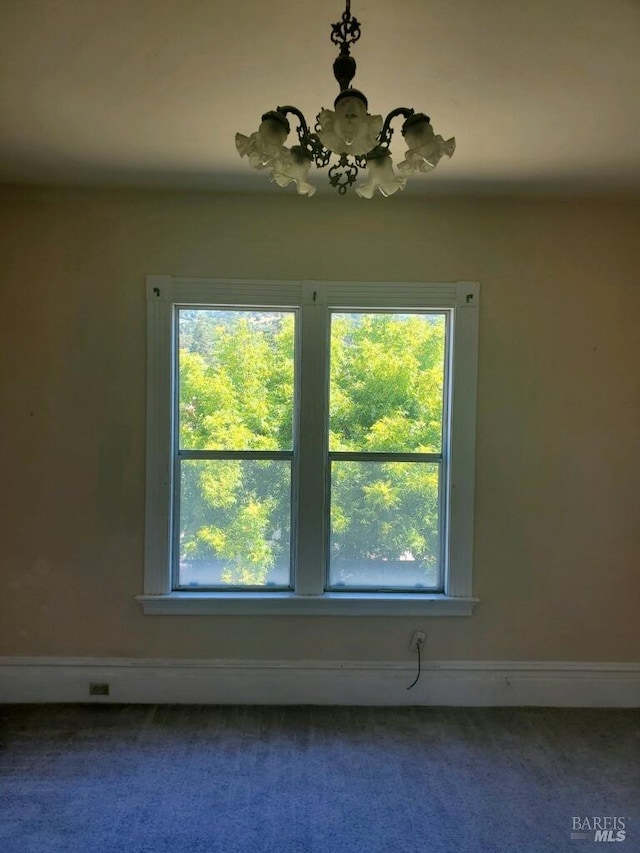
{"type": "Point", "coordinates": [418, 647]}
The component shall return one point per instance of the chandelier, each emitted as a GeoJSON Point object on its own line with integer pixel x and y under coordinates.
{"type": "Point", "coordinates": [348, 132]}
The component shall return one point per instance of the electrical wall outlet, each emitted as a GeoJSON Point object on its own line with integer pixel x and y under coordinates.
{"type": "Point", "coordinates": [417, 641]}
{"type": "Point", "coordinates": [96, 689]}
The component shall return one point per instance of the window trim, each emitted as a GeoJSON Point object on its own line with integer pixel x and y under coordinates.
{"type": "Point", "coordinates": [313, 297]}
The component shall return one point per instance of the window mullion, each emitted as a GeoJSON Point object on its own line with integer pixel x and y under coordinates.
{"type": "Point", "coordinates": [312, 498]}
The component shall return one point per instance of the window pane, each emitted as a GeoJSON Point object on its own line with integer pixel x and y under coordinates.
{"type": "Point", "coordinates": [235, 379]}
{"type": "Point", "coordinates": [385, 526]}
{"type": "Point", "coordinates": [235, 523]}
{"type": "Point", "coordinates": [386, 382]}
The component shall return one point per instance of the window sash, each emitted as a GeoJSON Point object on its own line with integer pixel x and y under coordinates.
{"type": "Point", "coordinates": [414, 311]}
{"type": "Point", "coordinates": [380, 458]}
{"type": "Point", "coordinates": [181, 454]}
{"type": "Point", "coordinates": [280, 456]}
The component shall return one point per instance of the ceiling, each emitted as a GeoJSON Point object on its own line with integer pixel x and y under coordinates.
{"type": "Point", "coordinates": [542, 95]}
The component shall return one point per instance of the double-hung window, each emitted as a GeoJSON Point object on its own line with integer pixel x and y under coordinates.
{"type": "Point", "coordinates": [310, 447]}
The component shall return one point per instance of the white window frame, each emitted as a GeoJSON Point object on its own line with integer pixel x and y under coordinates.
{"type": "Point", "coordinates": [313, 299]}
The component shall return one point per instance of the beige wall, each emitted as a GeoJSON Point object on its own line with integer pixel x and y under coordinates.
{"type": "Point", "coordinates": [557, 550]}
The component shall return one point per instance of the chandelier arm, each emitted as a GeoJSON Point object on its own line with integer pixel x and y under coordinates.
{"type": "Point", "coordinates": [303, 128]}
{"type": "Point", "coordinates": [387, 132]}
{"type": "Point", "coordinates": [309, 141]}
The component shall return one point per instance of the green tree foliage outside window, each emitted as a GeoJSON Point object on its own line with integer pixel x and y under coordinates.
{"type": "Point", "coordinates": [236, 393]}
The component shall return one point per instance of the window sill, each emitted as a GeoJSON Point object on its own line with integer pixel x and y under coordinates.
{"type": "Point", "coordinates": [290, 604]}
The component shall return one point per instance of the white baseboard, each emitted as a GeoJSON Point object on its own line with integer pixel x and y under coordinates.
{"type": "Point", "coordinates": [463, 683]}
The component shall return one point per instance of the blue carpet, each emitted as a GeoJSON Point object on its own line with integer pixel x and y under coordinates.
{"type": "Point", "coordinates": [202, 779]}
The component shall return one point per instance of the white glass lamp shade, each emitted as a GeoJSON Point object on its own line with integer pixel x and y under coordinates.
{"type": "Point", "coordinates": [265, 146]}
{"type": "Point", "coordinates": [293, 166]}
{"type": "Point", "coordinates": [349, 129]}
{"type": "Point", "coordinates": [381, 177]}
{"type": "Point", "coordinates": [424, 148]}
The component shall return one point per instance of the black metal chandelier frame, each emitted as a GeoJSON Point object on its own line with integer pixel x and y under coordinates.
{"type": "Point", "coordinates": [344, 173]}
